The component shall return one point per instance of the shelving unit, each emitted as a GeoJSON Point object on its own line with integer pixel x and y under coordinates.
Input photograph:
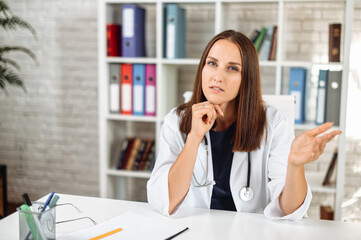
{"type": "Point", "coordinates": [169, 74]}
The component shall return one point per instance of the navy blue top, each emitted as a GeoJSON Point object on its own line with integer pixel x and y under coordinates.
{"type": "Point", "coordinates": [222, 156]}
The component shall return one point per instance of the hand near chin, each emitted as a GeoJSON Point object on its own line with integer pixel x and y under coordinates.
{"type": "Point", "coordinates": [308, 146]}
{"type": "Point", "coordinates": [204, 115]}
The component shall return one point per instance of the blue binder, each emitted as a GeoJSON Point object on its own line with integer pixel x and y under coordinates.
{"type": "Point", "coordinates": [133, 31]}
{"type": "Point", "coordinates": [139, 89]}
{"type": "Point", "coordinates": [297, 88]}
{"type": "Point", "coordinates": [321, 97]}
{"type": "Point", "coordinates": [175, 32]}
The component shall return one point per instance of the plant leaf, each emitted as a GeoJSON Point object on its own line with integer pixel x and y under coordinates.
{"type": "Point", "coordinates": [13, 22]}
{"type": "Point", "coordinates": [7, 49]}
{"type": "Point", "coordinates": [8, 76]}
{"type": "Point", "coordinates": [4, 7]}
{"type": "Point", "coordinates": [11, 62]}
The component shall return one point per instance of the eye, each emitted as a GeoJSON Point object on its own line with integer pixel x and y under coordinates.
{"type": "Point", "coordinates": [212, 63]}
{"type": "Point", "coordinates": [233, 68]}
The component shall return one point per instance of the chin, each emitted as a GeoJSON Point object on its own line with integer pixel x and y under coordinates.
{"type": "Point", "coordinates": [215, 101]}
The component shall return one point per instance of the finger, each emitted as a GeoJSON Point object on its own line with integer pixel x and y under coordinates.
{"type": "Point", "coordinates": [214, 116]}
{"type": "Point", "coordinates": [320, 129]}
{"type": "Point", "coordinates": [334, 134]}
{"type": "Point", "coordinates": [219, 110]}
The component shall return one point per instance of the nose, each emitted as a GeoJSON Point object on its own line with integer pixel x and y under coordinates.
{"type": "Point", "coordinates": [218, 75]}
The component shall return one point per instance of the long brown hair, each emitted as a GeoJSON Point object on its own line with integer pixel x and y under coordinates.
{"type": "Point", "coordinates": [250, 112]}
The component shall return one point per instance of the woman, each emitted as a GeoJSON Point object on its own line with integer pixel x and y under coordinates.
{"type": "Point", "coordinates": [226, 141]}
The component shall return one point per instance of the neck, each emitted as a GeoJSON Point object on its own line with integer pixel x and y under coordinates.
{"type": "Point", "coordinates": [225, 122]}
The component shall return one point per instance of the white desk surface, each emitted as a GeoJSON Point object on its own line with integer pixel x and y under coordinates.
{"type": "Point", "coordinates": [202, 223]}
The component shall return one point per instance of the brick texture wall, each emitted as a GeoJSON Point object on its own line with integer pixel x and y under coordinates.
{"type": "Point", "coordinates": [49, 135]}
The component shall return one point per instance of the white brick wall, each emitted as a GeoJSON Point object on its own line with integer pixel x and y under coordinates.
{"type": "Point", "coordinates": [49, 136]}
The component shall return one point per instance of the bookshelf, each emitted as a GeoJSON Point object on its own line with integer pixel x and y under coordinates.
{"type": "Point", "coordinates": [213, 16]}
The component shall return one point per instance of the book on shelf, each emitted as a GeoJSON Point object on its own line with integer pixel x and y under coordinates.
{"type": "Point", "coordinates": [139, 89]}
{"type": "Point", "coordinates": [133, 31]}
{"type": "Point", "coordinates": [255, 33]}
{"type": "Point", "coordinates": [272, 55]}
{"type": "Point", "coordinates": [126, 88]}
{"type": "Point", "coordinates": [333, 97]}
{"type": "Point", "coordinates": [147, 150]}
{"type": "Point", "coordinates": [113, 40]}
{"type": "Point", "coordinates": [327, 180]}
{"type": "Point", "coordinates": [321, 97]}
{"type": "Point", "coordinates": [114, 88]}
{"type": "Point", "coordinates": [150, 90]}
{"type": "Point", "coordinates": [150, 160]}
{"type": "Point", "coordinates": [297, 88]}
{"type": "Point", "coordinates": [175, 31]}
{"type": "Point", "coordinates": [122, 153]}
{"type": "Point", "coordinates": [123, 159]}
{"type": "Point", "coordinates": [139, 154]}
{"type": "Point", "coordinates": [265, 49]}
{"type": "Point", "coordinates": [334, 42]}
{"type": "Point", "coordinates": [133, 154]}
{"type": "Point", "coordinates": [260, 38]}
{"type": "Point", "coordinates": [115, 152]}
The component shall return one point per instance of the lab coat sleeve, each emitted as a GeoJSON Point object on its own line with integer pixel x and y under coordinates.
{"type": "Point", "coordinates": [277, 169]}
{"type": "Point", "coordinates": [170, 145]}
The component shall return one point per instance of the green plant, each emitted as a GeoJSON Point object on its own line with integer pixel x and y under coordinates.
{"type": "Point", "coordinates": [9, 69]}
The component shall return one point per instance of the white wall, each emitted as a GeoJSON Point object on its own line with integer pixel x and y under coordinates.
{"type": "Point", "coordinates": [49, 136]}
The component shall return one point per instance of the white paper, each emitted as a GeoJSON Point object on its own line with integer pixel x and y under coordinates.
{"type": "Point", "coordinates": [126, 97]}
{"type": "Point", "coordinates": [114, 97]}
{"type": "Point", "coordinates": [134, 226]}
{"type": "Point", "coordinates": [138, 98]}
{"type": "Point", "coordinates": [128, 23]}
{"type": "Point", "coordinates": [150, 101]}
{"type": "Point", "coordinates": [170, 40]}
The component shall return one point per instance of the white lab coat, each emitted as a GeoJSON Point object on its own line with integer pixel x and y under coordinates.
{"type": "Point", "coordinates": [268, 171]}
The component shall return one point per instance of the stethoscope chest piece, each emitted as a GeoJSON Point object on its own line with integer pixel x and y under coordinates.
{"type": "Point", "coordinates": [246, 194]}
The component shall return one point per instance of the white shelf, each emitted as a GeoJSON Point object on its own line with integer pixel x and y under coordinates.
{"type": "Point", "coordinates": [167, 74]}
{"type": "Point", "coordinates": [129, 173]}
{"type": "Point", "coordinates": [119, 117]}
{"type": "Point", "coordinates": [315, 180]}
{"type": "Point", "coordinates": [183, 61]}
{"type": "Point", "coordinates": [131, 60]}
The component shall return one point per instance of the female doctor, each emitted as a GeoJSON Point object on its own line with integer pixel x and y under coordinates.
{"type": "Point", "coordinates": [226, 149]}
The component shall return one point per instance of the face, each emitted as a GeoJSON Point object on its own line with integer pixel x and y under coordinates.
{"type": "Point", "coordinates": [221, 75]}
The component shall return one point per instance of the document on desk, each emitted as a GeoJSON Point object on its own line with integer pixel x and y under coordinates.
{"type": "Point", "coordinates": [129, 225]}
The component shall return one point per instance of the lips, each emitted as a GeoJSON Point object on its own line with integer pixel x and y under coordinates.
{"type": "Point", "coordinates": [216, 88]}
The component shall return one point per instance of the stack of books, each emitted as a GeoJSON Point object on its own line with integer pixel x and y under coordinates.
{"type": "Point", "coordinates": [265, 41]}
{"type": "Point", "coordinates": [134, 154]}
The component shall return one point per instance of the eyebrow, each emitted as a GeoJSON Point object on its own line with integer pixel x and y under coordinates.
{"type": "Point", "coordinates": [232, 63]}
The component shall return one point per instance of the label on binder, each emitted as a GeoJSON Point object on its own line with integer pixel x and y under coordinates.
{"type": "Point", "coordinates": [171, 41]}
{"type": "Point", "coordinates": [126, 95]}
{"type": "Point", "coordinates": [128, 28]}
{"type": "Point", "coordinates": [297, 95]}
{"type": "Point", "coordinates": [138, 102]}
{"type": "Point", "coordinates": [150, 101]}
{"type": "Point", "coordinates": [114, 97]}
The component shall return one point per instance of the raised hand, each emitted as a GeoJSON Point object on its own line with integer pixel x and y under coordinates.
{"type": "Point", "coordinates": [308, 147]}
{"type": "Point", "coordinates": [203, 116]}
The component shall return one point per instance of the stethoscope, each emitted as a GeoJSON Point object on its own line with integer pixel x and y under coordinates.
{"type": "Point", "coordinates": [246, 193]}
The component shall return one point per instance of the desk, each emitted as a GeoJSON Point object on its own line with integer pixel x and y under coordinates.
{"type": "Point", "coordinates": [202, 223]}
